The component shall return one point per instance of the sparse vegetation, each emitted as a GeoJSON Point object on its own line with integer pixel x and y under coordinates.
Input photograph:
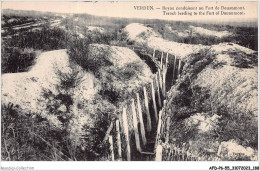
{"type": "Point", "coordinates": [242, 60]}
{"type": "Point", "coordinates": [16, 61]}
{"type": "Point", "coordinates": [78, 51]}
{"type": "Point", "coordinates": [71, 126]}
{"type": "Point", "coordinates": [30, 137]}
{"type": "Point", "coordinates": [193, 100]}
{"type": "Point", "coordinates": [19, 50]}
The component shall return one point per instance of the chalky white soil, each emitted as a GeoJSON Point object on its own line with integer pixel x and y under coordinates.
{"type": "Point", "coordinates": [25, 90]}
{"type": "Point", "coordinates": [213, 33]}
{"type": "Point", "coordinates": [229, 85]}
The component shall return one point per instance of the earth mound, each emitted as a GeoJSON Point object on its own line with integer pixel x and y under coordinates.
{"type": "Point", "coordinates": [74, 99]}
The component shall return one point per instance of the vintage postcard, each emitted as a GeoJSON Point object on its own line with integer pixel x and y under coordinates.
{"type": "Point", "coordinates": [172, 81]}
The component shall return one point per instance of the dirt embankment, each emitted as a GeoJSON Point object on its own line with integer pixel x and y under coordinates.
{"type": "Point", "coordinates": [215, 100]}
{"type": "Point", "coordinates": [74, 99]}
{"type": "Point", "coordinates": [144, 36]}
{"type": "Point", "coordinates": [216, 104]}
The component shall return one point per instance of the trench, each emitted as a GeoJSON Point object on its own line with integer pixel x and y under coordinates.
{"type": "Point", "coordinates": [148, 150]}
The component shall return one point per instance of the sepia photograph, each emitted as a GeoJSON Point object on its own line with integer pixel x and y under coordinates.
{"type": "Point", "coordinates": [129, 81]}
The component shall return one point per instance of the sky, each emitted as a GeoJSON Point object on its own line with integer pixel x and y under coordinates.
{"type": "Point", "coordinates": [127, 9]}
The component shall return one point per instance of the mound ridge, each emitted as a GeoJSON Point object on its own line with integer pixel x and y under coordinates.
{"type": "Point", "coordinates": [70, 97]}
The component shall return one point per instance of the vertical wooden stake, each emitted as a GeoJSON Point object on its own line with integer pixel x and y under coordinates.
{"type": "Point", "coordinates": [158, 156]}
{"type": "Point", "coordinates": [118, 140]}
{"type": "Point", "coordinates": [125, 125]}
{"type": "Point", "coordinates": [167, 59]}
{"type": "Point", "coordinates": [166, 69]}
{"type": "Point", "coordinates": [158, 128]}
{"type": "Point", "coordinates": [154, 103]}
{"type": "Point", "coordinates": [108, 132]}
{"type": "Point", "coordinates": [167, 129]}
{"type": "Point", "coordinates": [179, 69]}
{"type": "Point", "coordinates": [111, 147]}
{"type": "Point", "coordinates": [148, 115]}
{"type": "Point", "coordinates": [141, 119]}
{"type": "Point", "coordinates": [160, 78]}
{"type": "Point", "coordinates": [165, 105]}
{"type": "Point", "coordinates": [174, 67]}
{"type": "Point", "coordinates": [164, 82]}
{"type": "Point", "coordinates": [162, 60]}
{"type": "Point", "coordinates": [164, 115]}
{"type": "Point", "coordinates": [158, 89]}
{"type": "Point", "coordinates": [165, 73]}
{"type": "Point", "coordinates": [137, 140]}
{"type": "Point", "coordinates": [153, 53]}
